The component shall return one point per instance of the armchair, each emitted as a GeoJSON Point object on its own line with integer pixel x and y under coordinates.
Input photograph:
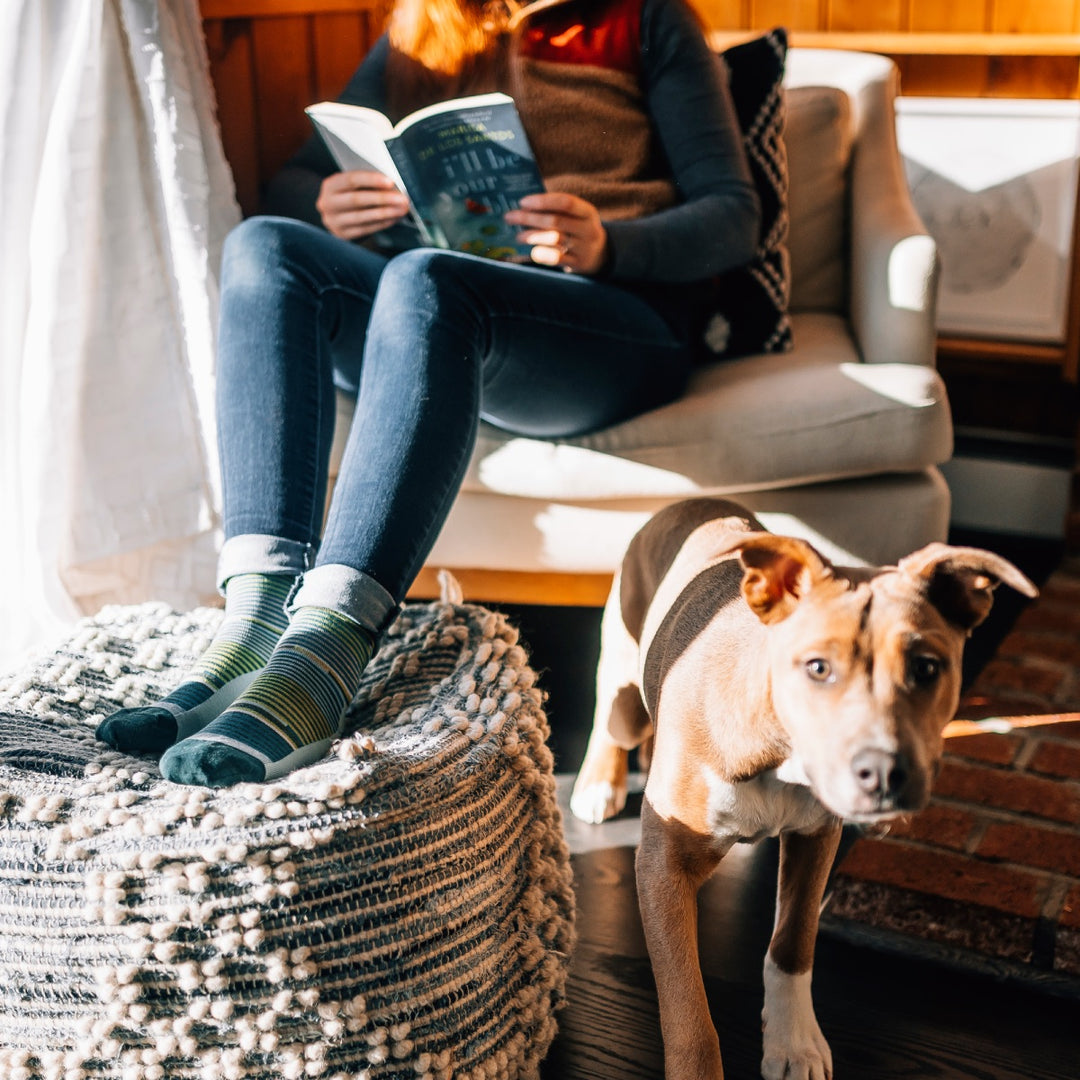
{"type": "Point", "coordinates": [837, 441]}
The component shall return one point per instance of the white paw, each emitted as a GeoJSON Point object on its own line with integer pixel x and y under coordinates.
{"type": "Point", "coordinates": [798, 1063]}
{"type": "Point", "coordinates": [597, 801]}
{"type": "Point", "coordinates": [794, 1048]}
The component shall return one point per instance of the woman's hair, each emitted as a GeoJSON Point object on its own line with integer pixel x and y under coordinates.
{"type": "Point", "coordinates": [446, 36]}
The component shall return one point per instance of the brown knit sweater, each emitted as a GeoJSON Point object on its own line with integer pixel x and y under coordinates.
{"type": "Point", "coordinates": [575, 73]}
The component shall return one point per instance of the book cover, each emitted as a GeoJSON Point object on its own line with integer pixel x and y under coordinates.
{"type": "Point", "coordinates": [462, 163]}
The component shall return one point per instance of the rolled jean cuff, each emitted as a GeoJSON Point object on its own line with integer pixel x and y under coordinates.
{"type": "Point", "coordinates": [349, 592]}
{"type": "Point", "coordinates": [255, 553]}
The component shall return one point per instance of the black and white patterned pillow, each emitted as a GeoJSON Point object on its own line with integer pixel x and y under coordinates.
{"type": "Point", "coordinates": [751, 308]}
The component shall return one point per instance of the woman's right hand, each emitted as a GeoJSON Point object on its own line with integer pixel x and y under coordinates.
{"type": "Point", "coordinates": [356, 204]}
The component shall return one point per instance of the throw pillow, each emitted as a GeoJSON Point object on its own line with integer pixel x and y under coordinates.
{"type": "Point", "coordinates": [751, 302]}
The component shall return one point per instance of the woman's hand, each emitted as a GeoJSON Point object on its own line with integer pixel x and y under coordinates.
{"type": "Point", "coordinates": [356, 204]}
{"type": "Point", "coordinates": [563, 231]}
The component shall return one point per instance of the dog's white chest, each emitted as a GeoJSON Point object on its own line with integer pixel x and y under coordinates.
{"type": "Point", "coordinates": [767, 804]}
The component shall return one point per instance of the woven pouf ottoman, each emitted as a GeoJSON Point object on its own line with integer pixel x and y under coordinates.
{"type": "Point", "coordinates": [402, 909]}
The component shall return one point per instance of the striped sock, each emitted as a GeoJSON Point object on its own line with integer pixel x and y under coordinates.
{"type": "Point", "coordinates": [290, 714]}
{"type": "Point", "coordinates": [254, 620]}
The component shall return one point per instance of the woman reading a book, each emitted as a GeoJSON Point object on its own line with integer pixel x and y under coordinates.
{"type": "Point", "coordinates": [648, 197]}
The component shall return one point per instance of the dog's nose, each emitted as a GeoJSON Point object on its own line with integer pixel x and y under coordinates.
{"type": "Point", "coordinates": [880, 773]}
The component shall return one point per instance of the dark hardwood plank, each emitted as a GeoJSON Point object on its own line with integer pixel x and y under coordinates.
{"type": "Point", "coordinates": [887, 1017]}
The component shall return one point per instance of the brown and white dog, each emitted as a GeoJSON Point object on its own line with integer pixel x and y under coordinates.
{"type": "Point", "coordinates": [782, 696]}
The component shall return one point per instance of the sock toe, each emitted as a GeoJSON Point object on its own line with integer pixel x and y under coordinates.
{"type": "Point", "coordinates": [210, 764]}
{"type": "Point", "coordinates": [147, 730]}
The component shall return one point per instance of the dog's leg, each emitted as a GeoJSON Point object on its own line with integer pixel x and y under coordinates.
{"type": "Point", "coordinates": [672, 865]}
{"type": "Point", "coordinates": [619, 724]}
{"type": "Point", "coordinates": [794, 1048]}
{"type": "Point", "coordinates": [600, 788]}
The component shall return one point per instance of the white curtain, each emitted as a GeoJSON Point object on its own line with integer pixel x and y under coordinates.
{"type": "Point", "coordinates": [115, 198]}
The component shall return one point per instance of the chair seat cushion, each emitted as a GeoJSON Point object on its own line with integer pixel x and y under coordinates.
{"type": "Point", "coordinates": [403, 907]}
{"type": "Point", "coordinates": [749, 424]}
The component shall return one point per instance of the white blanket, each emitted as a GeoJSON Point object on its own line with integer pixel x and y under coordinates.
{"type": "Point", "coordinates": [115, 198]}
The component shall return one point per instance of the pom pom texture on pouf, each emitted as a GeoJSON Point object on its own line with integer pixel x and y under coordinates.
{"type": "Point", "coordinates": [402, 909]}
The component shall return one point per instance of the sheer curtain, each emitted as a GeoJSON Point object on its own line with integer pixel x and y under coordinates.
{"type": "Point", "coordinates": [115, 198]}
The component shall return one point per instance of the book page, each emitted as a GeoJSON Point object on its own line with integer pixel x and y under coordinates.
{"type": "Point", "coordinates": [356, 136]}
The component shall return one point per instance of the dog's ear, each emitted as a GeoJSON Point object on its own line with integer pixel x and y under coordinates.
{"type": "Point", "coordinates": [960, 581]}
{"type": "Point", "coordinates": [778, 572]}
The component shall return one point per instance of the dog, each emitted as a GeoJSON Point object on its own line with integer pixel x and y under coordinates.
{"type": "Point", "coordinates": [771, 693]}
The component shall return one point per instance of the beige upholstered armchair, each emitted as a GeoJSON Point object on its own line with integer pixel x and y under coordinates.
{"type": "Point", "coordinates": [836, 441]}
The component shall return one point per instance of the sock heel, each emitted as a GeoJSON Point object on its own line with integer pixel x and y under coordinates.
{"type": "Point", "coordinates": [194, 720]}
{"type": "Point", "coordinates": [298, 759]}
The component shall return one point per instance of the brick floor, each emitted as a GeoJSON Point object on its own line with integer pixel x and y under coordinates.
{"type": "Point", "coordinates": [1036, 669]}
{"type": "Point", "coordinates": [992, 867]}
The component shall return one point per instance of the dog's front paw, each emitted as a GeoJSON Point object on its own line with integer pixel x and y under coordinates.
{"type": "Point", "coordinates": [794, 1048]}
{"type": "Point", "coordinates": [600, 789]}
{"type": "Point", "coordinates": [812, 1062]}
{"type": "Point", "coordinates": [596, 801]}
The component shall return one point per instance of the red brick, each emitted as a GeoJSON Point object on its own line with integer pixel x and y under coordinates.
{"type": "Point", "coordinates": [1007, 674]}
{"type": "Point", "coordinates": [959, 924]}
{"type": "Point", "coordinates": [1070, 909]}
{"type": "Point", "coordinates": [1029, 845]}
{"type": "Point", "coordinates": [944, 826]}
{"type": "Point", "coordinates": [1007, 790]}
{"type": "Point", "coordinates": [988, 747]}
{"type": "Point", "coordinates": [987, 701]}
{"type": "Point", "coordinates": [1061, 729]}
{"type": "Point", "coordinates": [1061, 589]}
{"type": "Point", "coordinates": [1063, 618]}
{"type": "Point", "coordinates": [1055, 648]}
{"type": "Point", "coordinates": [946, 874]}
{"type": "Point", "coordinates": [1056, 759]}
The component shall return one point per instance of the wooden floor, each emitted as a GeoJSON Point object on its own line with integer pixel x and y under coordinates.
{"type": "Point", "coordinates": [886, 1017]}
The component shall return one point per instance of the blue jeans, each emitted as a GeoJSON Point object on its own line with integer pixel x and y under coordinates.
{"type": "Point", "coordinates": [429, 342]}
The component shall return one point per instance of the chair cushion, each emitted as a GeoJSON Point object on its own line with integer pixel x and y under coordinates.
{"type": "Point", "coordinates": [819, 138]}
{"type": "Point", "coordinates": [872, 520]}
{"type": "Point", "coordinates": [753, 423]}
{"type": "Point", "coordinates": [403, 907]}
{"type": "Point", "coordinates": [751, 301]}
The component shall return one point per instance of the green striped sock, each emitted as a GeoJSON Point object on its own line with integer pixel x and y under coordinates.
{"type": "Point", "coordinates": [290, 714]}
{"type": "Point", "coordinates": [255, 619]}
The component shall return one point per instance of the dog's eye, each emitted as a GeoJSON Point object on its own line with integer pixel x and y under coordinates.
{"type": "Point", "coordinates": [925, 669]}
{"type": "Point", "coordinates": [818, 669]}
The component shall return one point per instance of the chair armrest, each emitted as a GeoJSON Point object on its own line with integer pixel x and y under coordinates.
{"type": "Point", "coordinates": [894, 261]}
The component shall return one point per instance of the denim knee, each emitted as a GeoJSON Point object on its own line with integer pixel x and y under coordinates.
{"type": "Point", "coordinates": [430, 282]}
{"type": "Point", "coordinates": [257, 246]}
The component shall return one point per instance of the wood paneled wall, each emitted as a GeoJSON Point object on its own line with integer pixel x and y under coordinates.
{"type": "Point", "coordinates": [951, 16]}
{"type": "Point", "coordinates": [961, 48]}
{"type": "Point", "coordinates": [271, 58]}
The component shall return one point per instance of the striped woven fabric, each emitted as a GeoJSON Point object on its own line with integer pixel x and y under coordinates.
{"type": "Point", "coordinates": [402, 909]}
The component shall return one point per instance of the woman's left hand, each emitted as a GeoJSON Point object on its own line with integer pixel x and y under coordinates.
{"type": "Point", "coordinates": [563, 231]}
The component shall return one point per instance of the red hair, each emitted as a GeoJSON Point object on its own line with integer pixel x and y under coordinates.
{"type": "Point", "coordinates": [446, 36]}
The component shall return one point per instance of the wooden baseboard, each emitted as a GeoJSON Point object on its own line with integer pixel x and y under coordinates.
{"type": "Point", "coordinates": [517, 587]}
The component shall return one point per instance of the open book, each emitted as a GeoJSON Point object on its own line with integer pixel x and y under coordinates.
{"type": "Point", "coordinates": [463, 164]}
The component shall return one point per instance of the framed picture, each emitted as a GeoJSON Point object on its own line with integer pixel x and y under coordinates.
{"type": "Point", "coordinates": [995, 182]}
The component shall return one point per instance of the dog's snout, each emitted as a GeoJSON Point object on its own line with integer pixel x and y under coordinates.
{"type": "Point", "coordinates": [880, 773]}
